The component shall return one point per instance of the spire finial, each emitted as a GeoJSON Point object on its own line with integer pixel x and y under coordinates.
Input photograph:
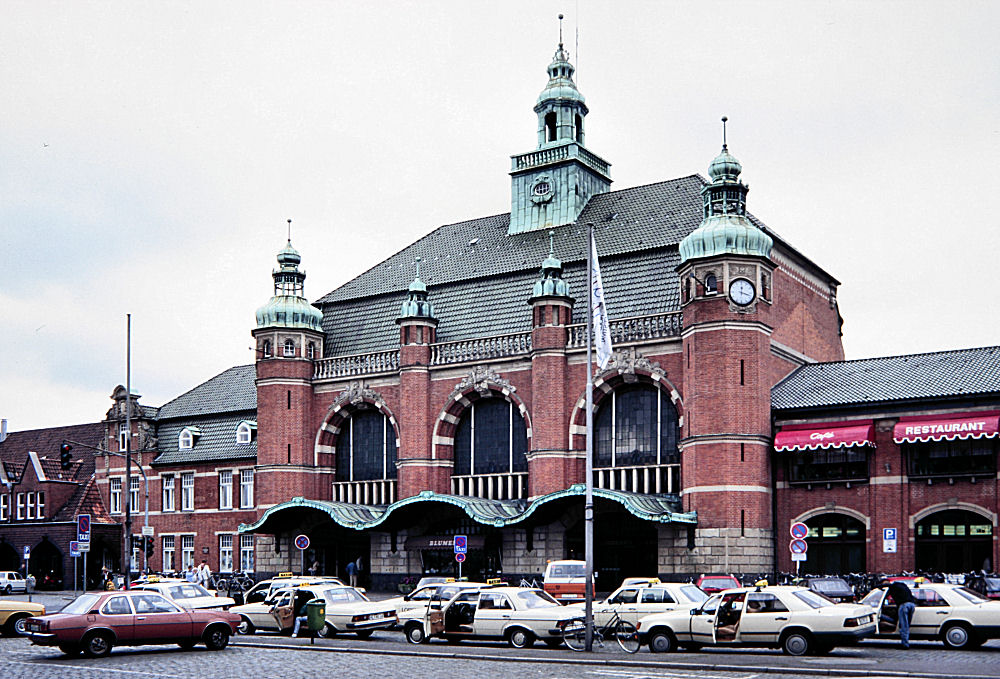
{"type": "Point", "coordinates": [552, 249]}
{"type": "Point", "coordinates": [560, 31]}
{"type": "Point", "coordinates": [289, 230]}
{"type": "Point", "coordinates": [724, 119]}
{"type": "Point", "coordinates": [418, 268]}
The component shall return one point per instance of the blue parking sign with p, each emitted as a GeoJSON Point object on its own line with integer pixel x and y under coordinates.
{"type": "Point", "coordinates": [888, 533]}
{"type": "Point", "coordinates": [461, 544]}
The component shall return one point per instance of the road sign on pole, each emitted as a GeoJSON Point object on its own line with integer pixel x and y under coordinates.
{"type": "Point", "coordinates": [799, 530]}
{"type": "Point", "coordinates": [461, 545]}
{"type": "Point", "coordinates": [460, 557]}
{"type": "Point", "coordinates": [84, 547]}
{"type": "Point", "coordinates": [83, 528]}
{"type": "Point", "coordinates": [74, 548]}
{"type": "Point", "coordinates": [798, 546]}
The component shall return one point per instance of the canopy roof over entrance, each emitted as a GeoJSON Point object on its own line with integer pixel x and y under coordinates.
{"type": "Point", "coordinates": [496, 513]}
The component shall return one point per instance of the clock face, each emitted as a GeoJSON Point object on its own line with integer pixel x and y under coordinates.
{"type": "Point", "coordinates": [741, 291]}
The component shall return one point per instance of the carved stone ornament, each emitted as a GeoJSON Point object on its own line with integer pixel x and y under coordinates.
{"type": "Point", "coordinates": [480, 378]}
{"type": "Point", "coordinates": [624, 362]}
{"type": "Point", "coordinates": [357, 393]}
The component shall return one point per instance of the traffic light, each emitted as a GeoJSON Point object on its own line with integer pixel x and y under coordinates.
{"type": "Point", "coordinates": [149, 546]}
{"type": "Point", "coordinates": [65, 456]}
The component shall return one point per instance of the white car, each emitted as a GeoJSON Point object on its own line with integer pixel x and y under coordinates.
{"type": "Point", "coordinates": [634, 601]}
{"type": "Point", "coordinates": [347, 610]}
{"type": "Point", "coordinates": [515, 614]}
{"type": "Point", "coordinates": [265, 589]}
{"type": "Point", "coordinates": [956, 615]}
{"type": "Point", "coordinates": [187, 594]}
{"type": "Point", "coordinates": [414, 604]}
{"type": "Point", "coordinates": [12, 581]}
{"type": "Point", "coordinates": [794, 619]}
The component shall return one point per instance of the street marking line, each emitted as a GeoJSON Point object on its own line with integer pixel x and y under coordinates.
{"type": "Point", "coordinates": [634, 674]}
{"type": "Point", "coordinates": [92, 668]}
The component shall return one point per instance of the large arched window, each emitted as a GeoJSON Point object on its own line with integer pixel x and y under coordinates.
{"type": "Point", "coordinates": [491, 438]}
{"type": "Point", "coordinates": [366, 447]}
{"type": "Point", "coordinates": [636, 425]}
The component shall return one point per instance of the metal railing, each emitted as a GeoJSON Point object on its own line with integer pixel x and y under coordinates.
{"type": "Point", "coordinates": [378, 492]}
{"type": "Point", "coordinates": [648, 479]}
{"type": "Point", "coordinates": [512, 486]}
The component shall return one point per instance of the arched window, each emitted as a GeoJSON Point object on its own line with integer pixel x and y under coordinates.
{"type": "Point", "coordinates": [289, 349]}
{"type": "Point", "coordinates": [491, 438]}
{"type": "Point", "coordinates": [366, 447]}
{"type": "Point", "coordinates": [245, 432]}
{"type": "Point", "coordinates": [579, 129]}
{"type": "Point", "coordinates": [550, 126]}
{"type": "Point", "coordinates": [186, 439]}
{"type": "Point", "coordinates": [265, 348]}
{"type": "Point", "coordinates": [711, 284]}
{"type": "Point", "coordinates": [636, 425]}
{"type": "Point", "coordinates": [311, 351]}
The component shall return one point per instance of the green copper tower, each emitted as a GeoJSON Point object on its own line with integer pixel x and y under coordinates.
{"type": "Point", "coordinates": [551, 185]}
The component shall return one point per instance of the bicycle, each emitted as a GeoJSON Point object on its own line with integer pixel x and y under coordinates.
{"type": "Point", "coordinates": [624, 632]}
{"type": "Point", "coordinates": [533, 584]}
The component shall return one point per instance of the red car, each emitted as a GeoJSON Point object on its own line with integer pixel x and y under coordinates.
{"type": "Point", "coordinates": [97, 621]}
{"type": "Point", "coordinates": [710, 584]}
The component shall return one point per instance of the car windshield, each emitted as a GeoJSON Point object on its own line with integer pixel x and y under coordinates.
{"type": "Point", "coordinates": [693, 593]}
{"type": "Point", "coordinates": [972, 595]}
{"type": "Point", "coordinates": [711, 605]}
{"type": "Point", "coordinates": [82, 604]}
{"type": "Point", "coordinates": [535, 598]}
{"type": "Point", "coordinates": [188, 591]}
{"type": "Point", "coordinates": [829, 586]}
{"type": "Point", "coordinates": [566, 570]}
{"type": "Point", "coordinates": [813, 599]}
{"type": "Point", "coordinates": [343, 595]}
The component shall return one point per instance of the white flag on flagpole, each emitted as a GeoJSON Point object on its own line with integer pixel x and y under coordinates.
{"type": "Point", "coordinates": [602, 333]}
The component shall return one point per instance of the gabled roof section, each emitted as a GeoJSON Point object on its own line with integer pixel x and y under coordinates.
{"type": "Point", "coordinates": [229, 391]}
{"type": "Point", "coordinates": [86, 500]}
{"type": "Point", "coordinates": [942, 374]}
{"type": "Point", "coordinates": [216, 440]}
{"type": "Point", "coordinates": [15, 448]}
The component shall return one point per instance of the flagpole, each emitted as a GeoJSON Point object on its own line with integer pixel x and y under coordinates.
{"type": "Point", "coordinates": [588, 506]}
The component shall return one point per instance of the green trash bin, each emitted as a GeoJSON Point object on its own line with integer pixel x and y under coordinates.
{"type": "Point", "coordinates": [316, 614]}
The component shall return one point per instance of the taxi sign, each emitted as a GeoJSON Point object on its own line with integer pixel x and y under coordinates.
{"type": "Point", "coordinates": [74, 548]}
{"type": "Point", "coordinates": [83, 528]}
{"type": "Point", "coordinates": [284, 575]}
{"type": "Point", "coordinates": [495, 581]}
{"type": "Point", "coordinates": [461, 544]}
{"type": "Point", "coordinates": [799, 530]}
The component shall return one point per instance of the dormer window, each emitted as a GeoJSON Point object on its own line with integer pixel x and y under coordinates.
{"type": "Point", "coordinates": [245, 432]}
{"type": "Point", "coordinates": [711, 284]}
{"type": "Point", "coordinates": [265, 348]}
{"type": "Point", "coordinates": [188, 437]}
{"type": "Point", "coordinates": [289, 349]}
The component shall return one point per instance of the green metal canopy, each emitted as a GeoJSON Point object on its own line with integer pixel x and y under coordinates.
{"type": "Point", "coordinates": [496, 513]}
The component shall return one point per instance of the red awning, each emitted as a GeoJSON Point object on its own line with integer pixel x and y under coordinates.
{"type": "Point", "coordinates": [827, 437]}
{"type": "Point", "coordinates": [964, 426]}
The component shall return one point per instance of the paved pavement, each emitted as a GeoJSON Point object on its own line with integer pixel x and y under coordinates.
{"type": "Point", "coordinates": [387, 655]}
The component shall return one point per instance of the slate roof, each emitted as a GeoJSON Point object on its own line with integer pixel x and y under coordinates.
{"type": "Point", "coordinates": [229, 391]}
{"type": "Point", "coordinates": [942, 374]}
{"type": "Point", "coordinates": [86, 500]}
{"type": "Point", "coordinates": [481, 289]}
{"type": "Point", "coordinates": [216, 442]}
{"type": "Point", "coordinates": [14, 449]}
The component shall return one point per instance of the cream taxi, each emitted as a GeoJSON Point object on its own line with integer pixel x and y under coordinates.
{"type": "Point", "coordinates": [265, 589]}
{"type": "Point", "coordinates": [956, 615]}
{"type": "Point", "coordinates": [186, 594]}
{"type": "Point", "coordinates": [514, 614]}
{"type": "Point", "coordinates": [347, 610]}
{"type": "Point", "coordinates": [635, 600]}
{"type": "Point", "coordinates": [414, 604]}
{"type": "Point", "coordinates": [13, 613]}
{"type": "Point", "coordinates": [794, 619]}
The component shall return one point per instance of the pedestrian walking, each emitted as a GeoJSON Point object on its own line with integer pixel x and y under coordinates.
{"type": "Point", "coordinates": [352, 574]}
{"type": "Point", "coordinates": [204, 574]}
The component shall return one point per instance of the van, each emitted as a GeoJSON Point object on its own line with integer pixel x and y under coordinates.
{"type": "Point", "coordinates": [566, 580]}
{"type": "Point", "coordinates": [12, 581]}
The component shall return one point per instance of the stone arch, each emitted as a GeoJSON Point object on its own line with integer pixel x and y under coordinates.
{"type": "Point", "coordinates": [945, 506]}
{"type": "Point", "coordinates": [626, 367]}
{"type": "Point", "coordinates": [347, 403]}
{"type": "Point", "coordinates": [480, 383]}
{"type": "Point", "coordinates": [836, 509]}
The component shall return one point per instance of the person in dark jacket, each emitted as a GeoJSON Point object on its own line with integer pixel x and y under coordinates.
{"type": "Point", "coordinates": [903, 598]}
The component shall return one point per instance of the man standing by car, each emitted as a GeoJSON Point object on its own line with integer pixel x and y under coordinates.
{"type": "Point", "coordinates": [903, 598]}
{"type": "Point", "coordinates": [204, 575]}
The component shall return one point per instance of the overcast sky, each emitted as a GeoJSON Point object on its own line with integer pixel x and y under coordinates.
{"type": "Point", "coordinates": [150, 154]}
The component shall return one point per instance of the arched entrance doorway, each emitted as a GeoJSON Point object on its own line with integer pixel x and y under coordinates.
{"type": "Point", "coordinates": [836, 545]}
{"type": "Point", "coordinates": [954, 541]}
{"type": "Point", "coordinates": [10, 560]}
{"type": "Point", "coordinates": [47, 565]}
{"type": "Point", "coordinates": [624, 545]}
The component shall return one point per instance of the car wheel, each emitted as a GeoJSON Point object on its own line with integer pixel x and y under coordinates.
{"type": "Point", "coordinates": [71, 650]}
{"type": "Point", "coordinates": [19, 625]}
{"type": "Point", "coordinates": [326, 631]}
{"type": "Point", "coordinates": [217, 637]}
{"type": "Point", "coordinates": [797, 643]}
{"type": "Point", "coordinates": [957, 636]}
{"type": "Point", "coordinates": [662, 641]}
{"type": "Point", "coordinates": [245, 626]}
{"type": "Point", "coordinates": [364, 633]}
{"type": "Point", "coordinates": [97, 645]}
{"type": "Point", "coordinates": [415, 633]}
{"type": "Point", "coordinates": [8, 589]}
{"type": "Point", "coordinates": [520, 638]}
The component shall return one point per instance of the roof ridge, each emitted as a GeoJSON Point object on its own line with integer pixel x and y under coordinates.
{"type": "Point", "coordinates": [885, 358]}
{"type": "Point", "coordinates": [202, 384]}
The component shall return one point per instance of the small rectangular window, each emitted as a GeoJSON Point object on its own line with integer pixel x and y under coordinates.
{"type": "Point", "coordinates": [246, 488]}
{"type": "Point", "coordinates": [40, 505]}
{"type": "Point", "coordinates": [169, 565]}
{"type": "Point", "coordinates": [187, 551]}
{"type": "Point", "coordinates": [246, 553]}
{"type": "Point", "coordinates": [226, 489]}
{"type": "Point", "coordinates": [225, 553]}
{"type": "Point", "coordinates": [187, 492]}
{"type": "Point", "coordinates": [5, 507]}
{"type": "Point", "coordinates": [115, 496]}
{"type": "Point", "coordinates": [30, 497]}
{"type": "Point", "coordinates": [168, 492]}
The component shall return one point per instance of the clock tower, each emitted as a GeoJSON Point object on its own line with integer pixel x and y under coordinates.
{"type": "Point", "coordinates": [551, 185]}
{"type": "Point", "coordinates": [726, 295]}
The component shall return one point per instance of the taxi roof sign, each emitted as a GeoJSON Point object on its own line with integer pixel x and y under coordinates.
{"type": "Point", "coordinates": [284, 575]}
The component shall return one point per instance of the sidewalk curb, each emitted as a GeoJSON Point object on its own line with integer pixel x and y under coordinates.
{"type": "Point", "coordinates": [764, 669]}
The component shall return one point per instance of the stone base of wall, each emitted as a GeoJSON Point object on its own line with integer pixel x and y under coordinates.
{"type": "Point", "coordinates": [716, 550]}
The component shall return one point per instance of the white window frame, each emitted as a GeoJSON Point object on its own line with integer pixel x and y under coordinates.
{"type": "Point", "coordinates": [225, 489]}
{"type": "Point", "coordinates": [187, 492]}
{"type": "Point", "coordinates": [30, 501]}
{"type": "Point", "coordinates": [20, 506]}
{"type": "Point", "coordinates": [40, 504]}
{"type": "Point", "coordinates": [225, 553]}
{"type": "Point", "coordinates": [168, 483]}
{"type": "Point", "coordinates": [137, 546]}
{"type": "Point", "coordinates": [187, 551]}
{"type": "Point", "coordinates": [244, 434]}
{"type": "Point", "coordinates": [135, 485]}
{"type": "Point", "coordinates": [5, 507]}
{"type": "Point", "coordinates": [247, 553]}
{"type": "Point", "coordinates": [185, 440]}
{"type": "Point", "coordinates": [246, 488]}
{"type": "Point", "coordinates": [169, 554]}
{"type": "Point", "coordinates": [122, 436]}
{"type": "Point", "coordinates": [115, 495]}
{"type": "Point", "coordinates": [311, 350]}
{"type": "Point", "coordinates": [288, 348]}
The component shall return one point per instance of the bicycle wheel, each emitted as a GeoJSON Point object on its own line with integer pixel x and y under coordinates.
{"type": "Point", "coordinates": [627, 636]}
{"type": "Point", "coordinates": [222, 584]}
{"type": "Point", "coordinates": [575, 634]}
